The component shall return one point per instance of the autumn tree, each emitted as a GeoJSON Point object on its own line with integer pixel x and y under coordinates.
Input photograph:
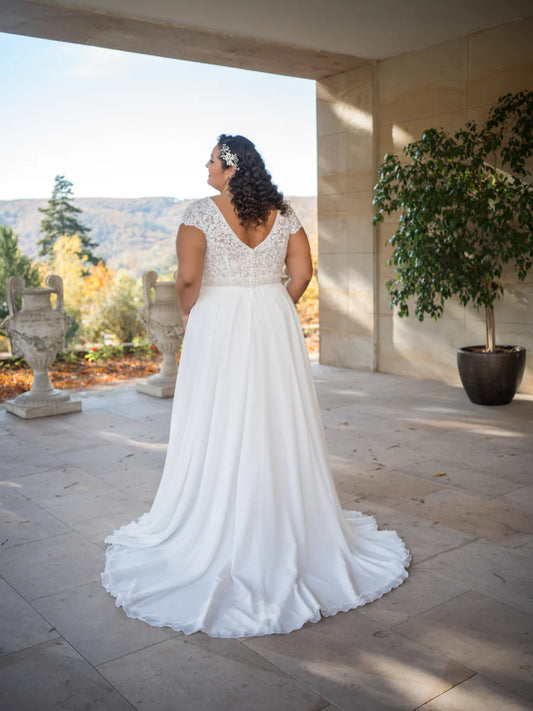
{"type": "Point", "coordinates": [122, 307]}
{"type": "Point", "coordinates": [13, 263]}
{"type": "Point", "coordinates": [70, 264]}
{"type": "Point", "coordinates": [111, 302]}
{"type": "Point", "coordinates": [61, 217]}
{"type": "Point", "coordinates": [97, 285]}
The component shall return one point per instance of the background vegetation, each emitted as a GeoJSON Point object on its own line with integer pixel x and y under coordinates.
{"type": "Point", "coordinates": [135, 234]}
{"type": "Point", "coordinates": [102, 275]}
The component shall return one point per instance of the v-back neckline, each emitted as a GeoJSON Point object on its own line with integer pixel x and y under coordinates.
{"type": "Point", "coordinates": [235, 235]}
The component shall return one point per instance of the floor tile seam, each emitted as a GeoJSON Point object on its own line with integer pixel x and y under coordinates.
{"type": "Point", "coordinates": [522, 545]}
{"type": "Point", "coordinates": [47, 538]}
{"type": "Point", "coordinates": [394, 509]}
{"type": "Point", "coordinates": [442, 693]}
{"type": "Point", "coordinates": [60, 453]}
{"type": "Point", "coordinates": [436, 650]}
{"type": "Point", "coordinates": [430, 518]}
{"type": "Point", "coordinates": [32, 600]}
{"type": "Point", "coordinates": [48, 508]}
{"type": "Point", "coordinates": [57, 518]}
{"type": "Point", "coordinates": [515, 692]}
{"type": "Point", "coordinates": [26, 436]}
{"type": "Point", "coordinates": [63, 590]}
{"type": "Point", "coordinates": [376, 500]}
{"type": "Point", "coordinates": [431, 609]}
{"type": "Point", "coordinates": [526, 543]}
{"type": "Point", "coordinates": [499, 546]}
{"type": "Point", "coordinates": [40, 614]}
{"type": "Point", "coordinates": [523, 511]}
{"type": "Point", "coordinates": [464, 544]}
{"type": "Point", "coordinates": [177, 634]}
{"type": "Point", "coordinates": [86, 393]}
{"type": "Point", "coordinates": [502, 599]}
{"type": "Point", "coordinates": [44, 538]}
{"type": "Point", "coordinates": [468, 528]}
{"type": "Point", "coordinates": [47, 470]}
{"type": "Point", "coordinates": [33, 473]}
{"type": "Point", "coordinates": [457, 490]}
{"type": "Point", "coordinates": [510, 502]}
{"type": "Point", "coordinates": [105, 446]}
{"type": "Point", "coordinates": [62, 521]}
{"type": "Point", "coordinates": [304, 684]}
{"type": "Point", "coordinates": [445, 654]}
{"type": "Point", "coordinates": [487, 476]}
{"type": "Point", "coordinates": [89, 497]}
{"type": "Point", "coordinates": [389, 471]}
{"type": "Point", "coordinates": [31, 647]}
{"type": "Point", "coordinates": [72, 644]}
{"type": "Point", "coordinates": [519, 487]}
{"type": "Point", "coordinates": [102, 676]}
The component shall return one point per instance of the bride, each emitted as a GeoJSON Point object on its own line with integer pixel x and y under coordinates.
{"type": "Point", "coordinates": [246, 535]}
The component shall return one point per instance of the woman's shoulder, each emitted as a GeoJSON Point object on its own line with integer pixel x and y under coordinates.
{"type": "Point", "coordinates": [198, 204]}
{"type": "Point", "coordinates": [291, 218]}
{"type": "Point", "coordinates": [195, 212]}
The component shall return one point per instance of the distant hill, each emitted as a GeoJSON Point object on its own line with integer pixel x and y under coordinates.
{"type": "Point", "coordinates": [133, 233]}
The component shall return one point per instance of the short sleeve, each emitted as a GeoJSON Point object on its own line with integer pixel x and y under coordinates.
{"type": "Point", "coordinates": [194, 216]}
{"type": "Point", "coordinates": [294, 222]}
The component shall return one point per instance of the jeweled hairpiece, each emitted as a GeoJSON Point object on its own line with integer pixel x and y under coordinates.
{"type": "Point", "coordinates": [228, 157]}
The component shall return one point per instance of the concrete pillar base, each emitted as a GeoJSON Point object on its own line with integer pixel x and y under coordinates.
{"type": "Point", "coordinates": [29, 410]}
{"type": "Point", "coordinates": [159, 387]}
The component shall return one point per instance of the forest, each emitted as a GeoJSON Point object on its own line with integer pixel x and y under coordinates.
{"type": "Point", "coordinates": [101, 247]}
{"type": "Point", "coordinates": [135, 234]}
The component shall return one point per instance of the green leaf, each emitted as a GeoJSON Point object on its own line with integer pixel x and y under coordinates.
{"type": "Point", "coordinates": [464, 207]}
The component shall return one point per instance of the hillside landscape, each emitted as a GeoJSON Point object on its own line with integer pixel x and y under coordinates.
{"type": "Point", "coordinates": [132, 233]}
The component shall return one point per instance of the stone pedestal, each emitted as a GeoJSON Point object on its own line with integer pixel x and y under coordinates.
{"type": "Point", "coordinates": [30, 410]}
{"type": "Point", "coordinates": [157, 388]}
{"type": "Point", "coordinates": [37, 334]}
{"type": "Point", "coordinates": [162, 318]}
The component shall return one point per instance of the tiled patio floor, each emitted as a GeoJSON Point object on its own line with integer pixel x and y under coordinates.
{"type": "Point", "coordinates": [454, 479]}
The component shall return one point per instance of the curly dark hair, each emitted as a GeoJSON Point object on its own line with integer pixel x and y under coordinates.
{"type": "Point", "coordinates": [254, 194]}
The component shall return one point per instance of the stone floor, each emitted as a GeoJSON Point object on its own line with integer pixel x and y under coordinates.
{"type": "Point", "coordinates": [454, 479]}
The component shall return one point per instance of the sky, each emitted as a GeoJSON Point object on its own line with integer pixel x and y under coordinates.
{"type": "Point", "coordinates": [119, 124]}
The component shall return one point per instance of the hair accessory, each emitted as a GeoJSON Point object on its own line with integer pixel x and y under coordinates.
{"type": "Point", "coordinates": [228, 157]}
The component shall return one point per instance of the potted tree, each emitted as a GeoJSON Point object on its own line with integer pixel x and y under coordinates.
{"type": "Point", "coordinates": [466, 211]}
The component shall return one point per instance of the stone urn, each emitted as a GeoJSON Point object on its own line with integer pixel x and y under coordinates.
{"type": "Point", "coordinates": [37, 332]}
{"type": "Point", "coordinates": [162, 317]}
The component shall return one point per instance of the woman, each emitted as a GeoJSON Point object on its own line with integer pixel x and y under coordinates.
{"type": "Point", "coordinates": [246, 535]}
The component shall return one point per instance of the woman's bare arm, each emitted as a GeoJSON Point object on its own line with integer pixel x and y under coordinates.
{"type": "Point", "coordinates": [299, 264]}
{"type": "Point", "coordinates": [190, 249]}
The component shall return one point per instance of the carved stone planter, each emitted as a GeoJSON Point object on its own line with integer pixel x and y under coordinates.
{"type": "Point", "coordinates": [162, 318]}
{"type": "Point", "coordinates": [37, 334]}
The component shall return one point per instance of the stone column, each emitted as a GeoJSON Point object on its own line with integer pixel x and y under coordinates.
{"type": "Point", "coordinates": [346, 267]}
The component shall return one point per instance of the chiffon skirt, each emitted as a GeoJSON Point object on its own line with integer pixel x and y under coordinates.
{"type": "Point", "coordinates": [246, 535]}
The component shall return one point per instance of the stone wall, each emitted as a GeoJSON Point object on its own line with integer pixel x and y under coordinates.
{"type": "Point", "coordinates": [346, 240]}
{"type": "Point", "coordinates": [362, 115]}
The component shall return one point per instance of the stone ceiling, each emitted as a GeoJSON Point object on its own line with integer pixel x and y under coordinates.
{"type": "Point", "coordinates": [311, 39]}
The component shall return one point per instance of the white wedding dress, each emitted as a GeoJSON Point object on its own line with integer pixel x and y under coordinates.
{"type": "Point", "coordinates": [246, 535]}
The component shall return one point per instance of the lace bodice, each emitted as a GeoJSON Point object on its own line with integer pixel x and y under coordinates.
{"type": "Point", "coordinates": [230, 262]}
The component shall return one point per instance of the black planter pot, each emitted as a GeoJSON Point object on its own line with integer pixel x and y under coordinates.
{"type": "Point", "coordinates": [491, 378]}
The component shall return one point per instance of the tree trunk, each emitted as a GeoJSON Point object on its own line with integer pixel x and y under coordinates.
{"type": "Point", "coordinates": [491, 330]}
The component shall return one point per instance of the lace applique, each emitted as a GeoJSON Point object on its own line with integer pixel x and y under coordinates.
{"type": "Point", "coordinates": [230, 262]}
